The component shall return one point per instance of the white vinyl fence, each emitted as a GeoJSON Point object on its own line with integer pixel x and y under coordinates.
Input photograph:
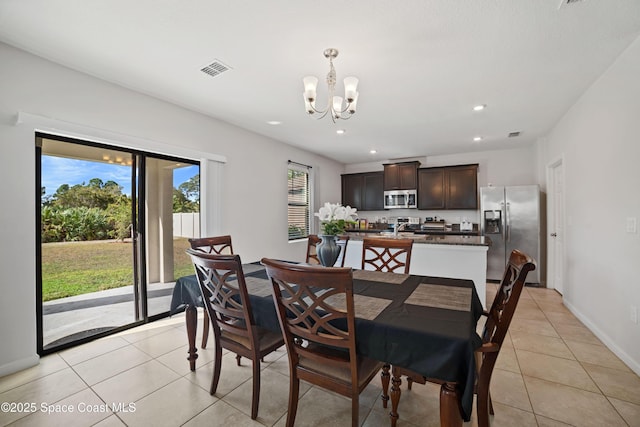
{"type": "Point", "coordinates": [186, 224]}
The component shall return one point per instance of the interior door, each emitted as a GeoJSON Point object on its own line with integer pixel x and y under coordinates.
{"type": "Point", "coordinates": [556, 214]}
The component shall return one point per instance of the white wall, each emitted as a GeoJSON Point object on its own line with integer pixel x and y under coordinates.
{"type": "Point", "coordinates": [517, 166]}
{"type": "Point", "coordinates": [254, 190]}
{"type": "Point", "coordinates": [598, 139]}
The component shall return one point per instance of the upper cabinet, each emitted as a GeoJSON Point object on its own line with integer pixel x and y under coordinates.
{"type": "Point", "coordinates": [431, 192]}
{"type": "Point", "coordinates": [363, 191]}
{"type": "Point", "coordinates": [451, 187]}
{"type": "Point", "coordinates": [462, 188]}
{"type": "Point", "coordinates": [401, 176]}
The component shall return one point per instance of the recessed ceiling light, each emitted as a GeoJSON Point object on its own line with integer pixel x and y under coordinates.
{"type": "Point", "coordinates": [274, 122]}
{"type": "Point", "coordinates": [477, 138]}
{"type": "Point", "coordinates": [479, 107]}
{"type": "Point", "coordinates": [340, 131]}
{"type": "Point", "coordinates": [372, 151]}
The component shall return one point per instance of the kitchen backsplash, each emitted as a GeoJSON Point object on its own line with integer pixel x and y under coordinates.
{"type": "Point", "coordinates": [449, 217]}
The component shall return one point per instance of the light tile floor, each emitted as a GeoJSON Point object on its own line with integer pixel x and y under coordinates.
{"type": "Point", "coordinates": [552, 371]}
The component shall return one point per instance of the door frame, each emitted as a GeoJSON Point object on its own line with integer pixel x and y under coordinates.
{"type": "Point", "coordinates": [553, 219]}
{"type": "Point", "coordinates": [140, 266]}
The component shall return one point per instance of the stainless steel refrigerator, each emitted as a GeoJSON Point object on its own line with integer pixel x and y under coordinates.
{"type": "Point", "coordinates": [510, 217]}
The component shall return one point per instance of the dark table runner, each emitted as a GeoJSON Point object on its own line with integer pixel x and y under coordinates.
{"type": "Point", "coordinates": [432, 341]}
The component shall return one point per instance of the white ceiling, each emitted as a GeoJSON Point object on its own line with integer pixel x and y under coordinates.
{"type": "Point", "coordinates": [422, 64]}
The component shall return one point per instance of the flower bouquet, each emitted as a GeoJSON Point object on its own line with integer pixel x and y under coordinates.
{"type": "Point", "coordinates": [333, 220]}
{"type": "Point", "coordinates": [335, 217]}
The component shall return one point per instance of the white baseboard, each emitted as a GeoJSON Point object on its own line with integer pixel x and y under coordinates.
{"type": "Point", "coordinates": [628, 360]}
{"type": "Point", "coordinates": [18, 365]}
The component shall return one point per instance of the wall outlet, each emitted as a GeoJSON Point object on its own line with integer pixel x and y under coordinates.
{"type": "Point", "coordinates": [631, 225]}
{"type": "Point", "coordinates": [634, 314]}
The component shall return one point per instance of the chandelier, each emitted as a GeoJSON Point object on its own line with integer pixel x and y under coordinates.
{"type": "Point", "coordinates": [337, 107]}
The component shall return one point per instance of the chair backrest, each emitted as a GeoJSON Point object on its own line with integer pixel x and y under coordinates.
{"type": "Point", "coordinates": [312, 255]}
{"type": "Point", "coordinates": [503, 306]}
{"type": "Point", "coordinates": [212, 245]}
{"type": "Point", "coordinates": [383, 254]}
{"type": "Point", "coordinates": [342, 242]}
{"type": "Point", "coordinates": [224, 294]}
{"type": "Point", "coordinates": [315, 304]}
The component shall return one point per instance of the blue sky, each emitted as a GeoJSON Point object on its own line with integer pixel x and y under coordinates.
{"type": "Point", "coordinates": [60, 170]}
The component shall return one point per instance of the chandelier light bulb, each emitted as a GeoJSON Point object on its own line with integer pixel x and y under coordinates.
{"type": "Point", "coordinates": [350, 88]}
{"type": "Point", "coordinates": [337, 106]}
{"type": "Point", "coordinates": [310, 85]}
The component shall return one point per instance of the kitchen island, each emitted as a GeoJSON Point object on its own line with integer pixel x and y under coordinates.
{"type": "Point", "coordinates": [460, 257]}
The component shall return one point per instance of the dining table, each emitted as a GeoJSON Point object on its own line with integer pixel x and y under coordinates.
{"type": "Point", "coordinates": [421, 323]}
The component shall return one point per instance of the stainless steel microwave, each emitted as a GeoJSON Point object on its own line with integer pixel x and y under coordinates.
{"type": "Point", "coordinates": [396, 199]}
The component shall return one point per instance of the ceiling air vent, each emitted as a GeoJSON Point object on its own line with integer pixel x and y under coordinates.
{"type": "Point", "coordinates": [514, 134]}
{"type": "Point", "coordinates": [215, 68]}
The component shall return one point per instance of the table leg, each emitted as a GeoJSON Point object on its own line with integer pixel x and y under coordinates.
{"type": "Point", "coordinates": [384, 378]}
{"type": "Point", "coordinates": [450, 413]}
{"type": "Point", "coordinates": [191, 318]}
{"type": "Point", "coordinates": [395, 397]}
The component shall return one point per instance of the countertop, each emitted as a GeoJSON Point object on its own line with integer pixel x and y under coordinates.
{"type": "Point", "coordinates": [453, 230]}
{"type": "Point", "coordinates": [433, 239]}
{"type": "Point", "coordinates": [431, 232]}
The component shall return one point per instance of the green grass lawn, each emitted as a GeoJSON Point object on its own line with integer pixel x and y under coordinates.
{"type": "Point", "coordinates": [76, 268]}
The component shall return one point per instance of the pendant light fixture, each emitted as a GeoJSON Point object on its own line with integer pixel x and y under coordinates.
{"type": "Point", "coordinates": [337, 106]}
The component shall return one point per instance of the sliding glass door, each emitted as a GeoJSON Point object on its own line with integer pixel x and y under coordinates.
{"type": "Point", "coordinates": [172, 215]}
{"type": "Point", "coordinates": [109, 253]}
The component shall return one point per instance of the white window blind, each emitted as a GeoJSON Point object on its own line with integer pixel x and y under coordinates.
{"type": "Point", "coordinates": [299, 202]}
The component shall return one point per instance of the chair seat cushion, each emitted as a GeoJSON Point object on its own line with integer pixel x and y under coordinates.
{"type": "Point", "coordinates": [266, 338]}
{"type": "Point", "coordinates": [366, 367]}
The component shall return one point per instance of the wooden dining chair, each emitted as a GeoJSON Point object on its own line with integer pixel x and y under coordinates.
{"type": "Point", "coordinates": [343, 241]}
{"type": "Point", "coordinates": [226, 299]}
{"type": "Point", "coordinates": [382, 254]}
{"type": "Point", "coordinates": [211, 245]}
{"type": "Point", "coordinates": [312, 255]}
{"type": "Point", "coordinates": [316, 313]}
{"type": "Point", "coordinates": [495, 329]}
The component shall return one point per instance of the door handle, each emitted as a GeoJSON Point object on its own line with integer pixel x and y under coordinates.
{"type": "Point", "coordinates": [553, 235]}
{"type": "Point", "coordinates": [508, 220]}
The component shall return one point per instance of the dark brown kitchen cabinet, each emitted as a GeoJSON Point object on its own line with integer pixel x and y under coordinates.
{"type": "Point", "coordinates": [363, 191]}
{"type": "Point", "coordinates": [431, 193]}
{"type": "Point", "coordinates": [462, 187]}
{"type": "Point", "coordinates": [451, 187]}
{"type": "Point", "coordinates": [401, 176]}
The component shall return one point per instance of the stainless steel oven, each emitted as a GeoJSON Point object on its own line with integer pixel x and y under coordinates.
{"type": "Point", "coordinates": [396, 199]}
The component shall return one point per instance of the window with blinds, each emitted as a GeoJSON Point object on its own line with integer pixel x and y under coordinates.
{"type": "Point", "coordinates": [299, 203]}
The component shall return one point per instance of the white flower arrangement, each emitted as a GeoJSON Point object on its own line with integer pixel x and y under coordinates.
{"type": "Point", "coordinates": [335, 217]}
